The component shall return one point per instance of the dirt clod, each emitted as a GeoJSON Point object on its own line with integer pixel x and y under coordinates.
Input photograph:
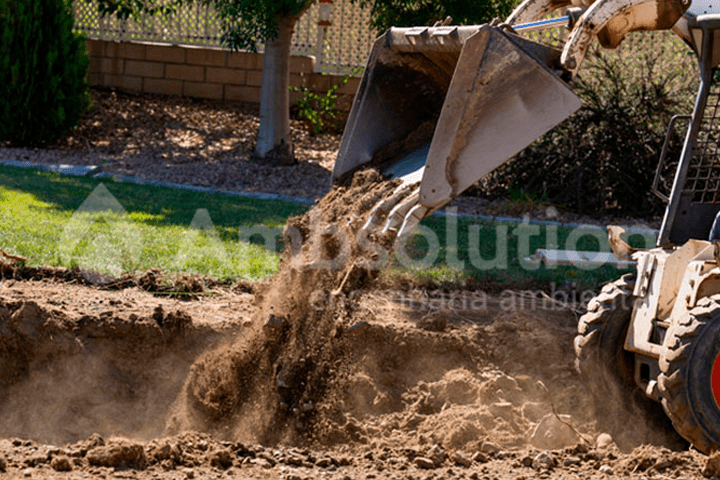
{"type": "Point", "coordinates": [61, 464]}
{"type": "Point", "coordinates": [118, 454]}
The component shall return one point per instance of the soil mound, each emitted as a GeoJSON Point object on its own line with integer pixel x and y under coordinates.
{"type": "Point", "coordinates": [271, 385]}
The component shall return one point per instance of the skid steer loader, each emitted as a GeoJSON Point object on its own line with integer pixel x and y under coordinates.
{"type": "Point", "coordinates": [440, 107]}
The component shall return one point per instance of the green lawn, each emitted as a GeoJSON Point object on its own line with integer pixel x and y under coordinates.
{"type": "Point", "coordinates": [55, 220]}
{"type": "Point", "coordinates": [125, 228]}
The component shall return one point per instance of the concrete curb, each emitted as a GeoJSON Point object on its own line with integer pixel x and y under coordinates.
{"type": "Point", "coordinates": [94, 171]}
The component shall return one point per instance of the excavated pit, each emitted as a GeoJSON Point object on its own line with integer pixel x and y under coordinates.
{"type": "Point", "coordinates": [324, 355]}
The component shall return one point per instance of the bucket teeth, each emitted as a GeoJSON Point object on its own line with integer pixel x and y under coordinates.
{"type": "Point", "coordinates": [441, 107]}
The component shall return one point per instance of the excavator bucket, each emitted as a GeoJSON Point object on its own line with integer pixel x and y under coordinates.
{"type": "Point", "coordinates": [444, 106]}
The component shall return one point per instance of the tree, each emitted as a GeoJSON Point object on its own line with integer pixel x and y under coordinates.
{"type": "Point", "coordinates": [408, 13]}
{"type": "Point", "coordinates": [245, 24]}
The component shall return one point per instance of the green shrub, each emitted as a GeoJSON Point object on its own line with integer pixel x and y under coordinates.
{"type": "Point", "coordinates": [319, 112]}
{"type": "Point", "coordinates": [603, 158]}
{"type": "Point", "coordinates": [43, 71]}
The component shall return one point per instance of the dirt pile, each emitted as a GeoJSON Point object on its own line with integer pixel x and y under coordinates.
{"type": "Point", "coordinates": [271, 385]}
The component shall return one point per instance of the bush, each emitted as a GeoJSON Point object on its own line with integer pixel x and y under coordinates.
{"type": "Point", "coordinates": [43, 71]}
{"type": "Point", "coordinates": [602, 160]}
{"type": "Point", "coordinates": [319, 112]}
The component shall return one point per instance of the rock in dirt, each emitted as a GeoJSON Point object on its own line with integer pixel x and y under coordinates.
{"type": "Point", "coordinates": [424, 463]}
{"type": "Point", "coordinates": [490, 448]}
{"type": "Point", "coordinates": [324, 462]}
{"type": "Point", "coordinates": [603, 441]}
{"type": "Point", "coordinates": [480, 457]}
{"type": "Point", "coordinates": [262, 462]}
{"type": "Point", "coordinates": [461, 459]}
{"type": "Point", "coordinates": [606, 469]}
{"type": "Point", "coordinates": [118, 454]}
{"type": "Point", "coordinates": [61, 464]}
{"type": "Point", "coordinates": [36, 459]}
{"type": "Point", "coordinates": [3, 464]}
{"type": "Point", "coordinates": [570, 461]}
{"type": "Point", "coordinates": [552, 434]}
{"type": "Point", "coordinates": [543, 461]}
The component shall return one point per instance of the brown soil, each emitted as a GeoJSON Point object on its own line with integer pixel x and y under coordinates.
{"type": "Point", "coordinates": [323, 372]}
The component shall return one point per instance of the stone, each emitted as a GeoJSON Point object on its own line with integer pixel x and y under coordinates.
{"type": "Point", "coordinates": [490, 448]}
{"type": "Point", "coordinates": [553, 434]}
{"type": "Point", "coordinates": [504, 410]}
{"type": "Point", "coordinates": [262, 462]}
{"type": "Point", "coordinates": [3, 464]}
{"type": "Point", "coordinates": [606, 469]}
{"type": "Point", "coordinates": [324, 462]}
{"type": "Point", "coordinates": [61, 464]}
{"type": "Point", "coordinates": [480, 457]}
{"type": "Point", "coordinates": [461, 459]}
{"type": "Point", "coordinates": [295, 461]}
{"type": "Point", "coordinates": [533, 411]}
{"type": "Point", "coordinates": [543, 461]}
{"type": "Point", "coordinates": [569, 461]}
{"type": "Point", "coordinates": [603, 441]}
{"type": "Point", "coordinates": [424, 463]}
{"type": "Point", "coordinates": [189, 473]}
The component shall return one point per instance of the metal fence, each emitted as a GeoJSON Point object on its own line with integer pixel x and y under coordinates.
{"type": "Point", "coordinates": [341, 47]}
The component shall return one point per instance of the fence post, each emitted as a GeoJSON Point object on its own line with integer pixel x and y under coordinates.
{"type": "Point", "coordinates": [323, 24]}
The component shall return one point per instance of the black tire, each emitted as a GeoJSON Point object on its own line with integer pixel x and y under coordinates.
{"type": "Point", "coordinates": [692, 346]}
{"type": "Point", "coordinates": [600, 356]}
{"type": "Point", "coordinates": [609, 371]}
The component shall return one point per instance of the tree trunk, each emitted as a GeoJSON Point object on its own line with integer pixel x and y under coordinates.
{"type": "Point", "coordinates": [274, 145]}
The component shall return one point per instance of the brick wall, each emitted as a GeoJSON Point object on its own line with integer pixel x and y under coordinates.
{"type": "Point", "coordinates": [199, 72]}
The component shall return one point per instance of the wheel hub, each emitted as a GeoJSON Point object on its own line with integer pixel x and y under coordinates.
{"type": "Point", "coordinates": [715, 380]}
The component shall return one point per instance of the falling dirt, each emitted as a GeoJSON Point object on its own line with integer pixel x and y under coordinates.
{"type": "Point", "coordinates": [323, 372]}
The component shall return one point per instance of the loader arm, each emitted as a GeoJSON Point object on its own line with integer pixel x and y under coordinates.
{"type": "Point", "coordinates": [441, 107]}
